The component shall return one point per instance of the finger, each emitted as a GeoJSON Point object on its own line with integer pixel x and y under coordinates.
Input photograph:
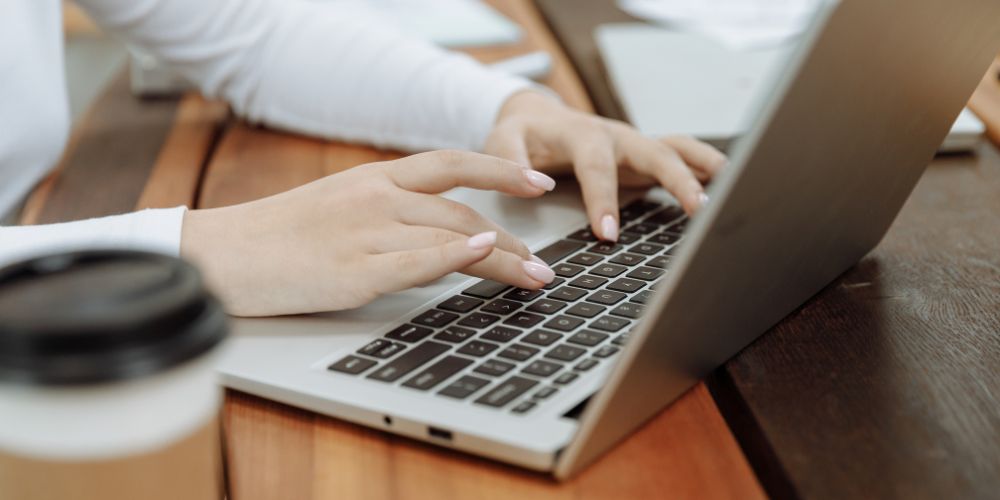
{"type": "Point", "coordinates": [511, 269]}
{"type": "Point", "coordinates": [705, 160]}
{"type": "Point", "coordinates": [439, 171]}
{"type": "Point", "coordinates": [422, 210]}
{"type": "Point", "coordinates": [406, 269]}
{"type": "Point", "coordinates": [655, 158]}
{"type": "Point", "coordinates": [597, 171]}
{"type": "Point", "coordinates": [508, 142]}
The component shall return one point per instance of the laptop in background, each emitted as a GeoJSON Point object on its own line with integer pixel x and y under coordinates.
{"type": "Point", "coordinates": [703, 88]}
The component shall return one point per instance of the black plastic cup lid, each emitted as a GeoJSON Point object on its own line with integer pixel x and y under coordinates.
{"type": "Point", "coordinates": [101, 316]}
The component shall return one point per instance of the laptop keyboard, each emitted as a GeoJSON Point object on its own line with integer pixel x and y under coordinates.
{"type": "Point", "coordinates": [531, 343]}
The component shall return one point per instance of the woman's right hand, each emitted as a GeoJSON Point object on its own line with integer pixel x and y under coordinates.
{"type": "Point", "coordinates": [343, 240]}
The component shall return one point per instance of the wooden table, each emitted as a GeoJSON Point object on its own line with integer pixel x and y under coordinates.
{"type": "Point", "coordinates": [886, 384]}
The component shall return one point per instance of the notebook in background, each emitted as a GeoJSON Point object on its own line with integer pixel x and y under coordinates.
{"type": "Point", "coordinates": [702, 87]}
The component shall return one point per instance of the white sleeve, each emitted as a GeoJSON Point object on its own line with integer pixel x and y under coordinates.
{"type": "Point", "coordinates": [320, 68]}
{"type": "Point", "coordinates": [155, 230]}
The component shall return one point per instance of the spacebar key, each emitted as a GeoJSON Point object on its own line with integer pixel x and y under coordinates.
{"type": "Point", "coordinates": [552, 253]}
{"type": "Point", "coordinates": [409, 361]}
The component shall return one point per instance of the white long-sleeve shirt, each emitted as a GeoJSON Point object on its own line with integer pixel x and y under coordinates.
{"type": "Point", "coordinates": [312, 67]}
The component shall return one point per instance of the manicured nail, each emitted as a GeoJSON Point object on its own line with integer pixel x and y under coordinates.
{"type": "Point", "coordinates": [540, 272]}
{"type": "Point", "coordinates": [702, 199]}
{"type": "Point", "coordinates": [483, 240]}
{"type": "Point", "coordinates": [609, 228]}
{"type": "Point", "coordinates": [534, 258]}
{"type": "Point", "coordinates": [540, 180]}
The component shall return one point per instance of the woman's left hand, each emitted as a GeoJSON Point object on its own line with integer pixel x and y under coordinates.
{"type": "Point", "coordinates": [538, 131]}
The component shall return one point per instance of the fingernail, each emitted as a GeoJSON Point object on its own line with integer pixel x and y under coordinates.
{"type": "Point", "coordinates": [535, 258]}
{"type": "Point", "coordinates": [609, 228]}
{"type": "Point", "coordinates": [540, 180]}
{"type": "Point", "coordinates": [540, 272]}
{"type": "Point", "coordinates": [702, 199]}
{"type": "Point", "coordinates": [483, 240]}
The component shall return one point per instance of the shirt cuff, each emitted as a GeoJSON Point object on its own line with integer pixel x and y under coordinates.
{"type": "Point", "coordinates": [153, 230]}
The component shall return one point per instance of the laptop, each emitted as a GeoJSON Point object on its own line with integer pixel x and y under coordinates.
{"type": "Point", "coordinates": [714, 96]}
{"type": "Point", "coordinates": [550, 380]}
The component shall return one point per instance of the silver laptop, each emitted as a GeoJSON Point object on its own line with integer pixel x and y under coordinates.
{"type": "Point", "coordinates": [549, 380]}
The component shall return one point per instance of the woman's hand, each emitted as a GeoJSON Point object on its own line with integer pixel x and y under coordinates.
{"type": "Point", "coordinates": [341, 241]}
{"type": "Point", "coordinates": [538, 131]}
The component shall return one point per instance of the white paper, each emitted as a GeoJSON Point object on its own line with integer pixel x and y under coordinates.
{"type": "Point", "coordinates": [738, 24]}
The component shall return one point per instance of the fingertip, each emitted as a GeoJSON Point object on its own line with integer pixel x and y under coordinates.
{"type": "Point", "coordinates": [609, 228]}
{"type": "Point", "coordinates": [482, 241]}
{"type": "Point", "coordinates": [539, 180]}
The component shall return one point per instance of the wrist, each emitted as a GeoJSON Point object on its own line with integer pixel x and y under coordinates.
{"type": "Point", "coordinates": [527, 101]}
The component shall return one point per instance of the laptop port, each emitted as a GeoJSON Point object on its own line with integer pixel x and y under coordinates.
{"type": "Point", "coordinates": [434, 432]}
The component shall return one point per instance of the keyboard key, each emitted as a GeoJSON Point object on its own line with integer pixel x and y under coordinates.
{"type": "Point", "coordinates": [501, 306]}
{"type": "Point", "coordinates": [524, 320]}
{"type": "Point", "coordinates": [609, 323]}
{"type": "Point", "coordinates": [642, 297]}
{"type": "Point", "coordinates": [523, 407]}
{"type": "Point", "coordinates": [568, 294]}
{"type": "Point", "coordinates": [679, 226]}
{"type": "Point", "coordinates": [501, 334]}
{"type": "Point", "coordinates": [566, 378]}
{"type": "Point", "coordinates": [605, 248]}
{"type": "Point", "coordinates": [645, 273]}
{"type": "Point", "coordinates": [435, 318]}
{"type": "Point", "coordinates": [628, 238]}
{"type": "Point", "coordinates": [584, 234]}
{"type": "Point", "coordinates": [620, 340]}
{"type": "Point", "coordinates": [389, 350]}
{"type": "Point", "coordinates": [608, 270]}
{"type": "Point", "coordinates": [586, 364]}
{"type": "Point", "coordinates": [494, 367]}
{"type": "Point", "coordinates": [455, 334]}
{"type": "Point", "coordinates": [523, 294]}
{"type": "Point", "coordinates": [542, 368]}
{"type": "Point", "coordinates": [665, 238]}
{"type": "Point", "coordinates": [464, 387]}
{"type": "Point", "coordinates": [626, 285]}
{"type": "Point", "coordinates": [486, 289]}
{"type": "Point", "coordinates": [352, 365]}
{"type": "Point", "coordinates": [642, 228]}
{"type": "Point", "coordinates": [588, 338]}
{"type": "Point", "coordinates": [479, 320]}
{"type": "Point", "coordinates": [506, 391]}
{"type": "Point", "coordinates": [460, 304]}
{"type": "Point", "coordinates": [518, 352]}
{"type": "Point", "coordinates": [563, 323]}
{"type": "Point", "coordinates": [585, 259]}
{"type": "Point", "coordinates": [627, 259]}
{"type": "Point", "coordinates": [637, 209]}
{"type": "Point", "coordinates": [409, 361]}
{"type": "Point", "coordinates": [409, 333]}
{"type": "Point", "coordinates": [542, 337]}
{"type": "Point", "coordinates": [565, 352]}
{"type": "Point", "coordinates": [646, 248]}
{"type": "Point", "coordinates": [606, 297]}
{"type": "Point", "coordinates": [374, 346]}
{"type": "Point", "coordinates": [554, 283]}
{"type": "Point", "coordinates": [628, 310]}
{"type": "Point", "coordinates": [556, 251]}
{"type": "Point", "coordinates": [585, 310]}
{"type": "Point", "coordinates": [567, 270]}
{"type": "Point", "coordinates": [660, 262]}
{"type": "Point", "coordinates": [544, 392]}
{"type": "Point", "coordinates": [666, 216]}
{"type": "Point", "coordinates": [477, 348]}
{"type": "Point", "coordinates": [437, 373]}
{"type": "Point", "coordinates": [546, 306]}
{"type": "Point", "coordinates": [589, 282]}
{"type": "Point", "coordinates": [605, 351]}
